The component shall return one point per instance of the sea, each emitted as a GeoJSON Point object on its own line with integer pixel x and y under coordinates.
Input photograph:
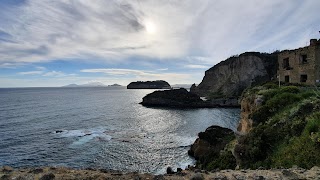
{"type": "Point", "coordinates": [99, 127]}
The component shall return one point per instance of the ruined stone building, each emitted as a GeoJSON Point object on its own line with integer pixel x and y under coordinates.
{"type": "Point", "coordinates": [300, 65]}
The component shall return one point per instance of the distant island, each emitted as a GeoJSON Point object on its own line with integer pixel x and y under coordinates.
{"type": "Point", "coordinates": [92, 84]}
{"type": "Point", "coordinates": [159, 84]}
{"type": "Point", "coordinates": [114, 85]}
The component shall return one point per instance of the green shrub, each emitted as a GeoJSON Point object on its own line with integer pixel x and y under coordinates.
{"type": "Point", "coordinates": [290, 89]}
{"type": "Point", "coordinates": [271, 85]}
{"type": "Point", "coordinates": [313, 124]}
{"type": "Point", "coordinates": [225, 161]}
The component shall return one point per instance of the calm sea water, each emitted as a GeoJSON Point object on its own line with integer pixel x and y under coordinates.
{"type": "Point", "coordinates": [99, 128]}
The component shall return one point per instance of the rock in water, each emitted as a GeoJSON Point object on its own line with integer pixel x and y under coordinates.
{"type": "Point", "coordinates": [173, 98]}
{"type": "Point", "coordinates": [169, 170]}
{"type": "Point", "coordinates": [149, 85]}
{"type": "Point", "coordinates": [210, 143]}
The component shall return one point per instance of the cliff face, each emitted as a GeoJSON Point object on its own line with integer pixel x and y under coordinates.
{"type": "Point", "coordinates": [230, 77]}
{"type": "Point", "coordinates": [249, 104]}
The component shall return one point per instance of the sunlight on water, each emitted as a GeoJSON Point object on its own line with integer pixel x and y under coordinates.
{"type": "Point", "coordinates": [99, 127]}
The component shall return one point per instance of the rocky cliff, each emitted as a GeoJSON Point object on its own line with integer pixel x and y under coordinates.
{"type": "Point", "coordinates": [279, 127]}
{"type": "Point", "coordinates": [230, 77]}
{"type": "Point", "coordinates": [149, 85]}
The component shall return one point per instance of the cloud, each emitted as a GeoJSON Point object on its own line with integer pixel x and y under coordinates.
{"type": "Point", "coordinates": [116, 30]}
{"type": "Point", "coordinates": [45, 73]}
{"type": "Point", "coordinates": [46, 30]}
{"type": "Point", "coordinates": [140, 74]}
{"type": "Point", "coordinates": [11, 65]}
{"type": "Point", "coordinates": [196, 66]}
{"type": "Point", "coordinates": [31, 73]}
{"type": "Point", "coordinates": [163, 69]}
{"type": "Point", "coordinates": [57, 74]}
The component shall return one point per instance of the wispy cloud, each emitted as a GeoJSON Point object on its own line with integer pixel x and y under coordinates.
{"type": "Point", "coordinates": [163, 69]}
{"type": "Point", "coordinates": [39, 31]}
{"type": "Point", "coordinates": [11, 65]}
{"type": "Point", "coordinates": [140, 74]}
{"type": "Point", "coordinates": [42, 71]}
{"type": "Point", "coordinates": [196, 66]}
{"type": "Point", "coordinates": [57, 74]}
{"type": "Point", "coordinates": [31, 73]}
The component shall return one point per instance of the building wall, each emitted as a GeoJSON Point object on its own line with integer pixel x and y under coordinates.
{"type": "Point", "coordinates": [298, 67]}
{"type": "Point", "coordinates": [317, 66]}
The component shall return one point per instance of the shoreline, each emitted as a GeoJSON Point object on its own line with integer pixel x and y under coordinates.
{"type": "Point", "coordinates": [48, 173]}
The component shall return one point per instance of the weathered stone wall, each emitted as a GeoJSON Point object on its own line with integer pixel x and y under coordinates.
{"type": "Point", "coordinates": [297, 66]}
{"type": "Point", "coordinates": [317, 65]}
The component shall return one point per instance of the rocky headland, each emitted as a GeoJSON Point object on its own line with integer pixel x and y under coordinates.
{"type": "Point", "coordinates": [160, 84]}
{"type": "Point", "coordinates": [229, 78]}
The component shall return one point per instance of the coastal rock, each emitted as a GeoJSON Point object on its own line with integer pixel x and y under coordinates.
{"type": "Point", "coordinates": [224, 102]}
{"type": "Point", "coordinates": [49, 176]}
{"type": "Point", "coordinates": [230, 77]}
{"type": "Point", "coordinates": [173, 98]}
{"type": "Point", "coordinates": [169, 170]}
{"type": "Point", "coordinates": [67, 173]}
{"type": "Point", "coordinates": [210, 142]}
{"type": "Point", "coordinates": [197, 176]}
{"type": "Point", "coordinates": [149, 85]}
{"type": "Point", "coordinates": [249, 104]}
{"type": "Point", "coordinates": [7, 169]}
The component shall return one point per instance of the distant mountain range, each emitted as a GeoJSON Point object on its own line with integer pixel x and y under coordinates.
{"type": "Point", "coordinates": [92, 84]}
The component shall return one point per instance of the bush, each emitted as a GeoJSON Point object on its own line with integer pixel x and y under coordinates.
{"type": "Point", "coordinates": [225, 161]}
{"type": "Point", "coordinates": [290, 89]}
{"type": "Point", "coordinates": [313, 124]}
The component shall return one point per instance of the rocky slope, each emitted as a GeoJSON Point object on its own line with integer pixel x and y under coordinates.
{"type": "Point", "coordinates": [279, 127]}
{"type": "Point", "coordinates": [51, 173]}
{"type": "Point", "coordinates": [230, 77]}
{"type": "Point", "coordinates": [149, 85]}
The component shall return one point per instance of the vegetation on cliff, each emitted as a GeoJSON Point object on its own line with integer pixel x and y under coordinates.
{"type": "Point", "coordinates": [286, 129]}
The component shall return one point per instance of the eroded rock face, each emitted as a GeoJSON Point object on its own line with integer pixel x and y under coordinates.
{"type": "Point", "coordinates": [210, 142]}
{"type": "Point", "coordinates": [230, 77]}
{"type": "Point", "coordinates": [173, 98]}
{"type": "Point", "coordinates": [249, 104]}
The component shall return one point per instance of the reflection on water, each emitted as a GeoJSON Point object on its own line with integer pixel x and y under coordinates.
{"type": "Point", "coordinates": [99, 127]}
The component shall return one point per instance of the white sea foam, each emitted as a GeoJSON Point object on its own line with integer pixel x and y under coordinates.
{"type": "Point", "coordinates": [85, 135]}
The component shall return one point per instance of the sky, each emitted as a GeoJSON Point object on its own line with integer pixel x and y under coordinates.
{"type": "Point", "coordinates": [45, 43]}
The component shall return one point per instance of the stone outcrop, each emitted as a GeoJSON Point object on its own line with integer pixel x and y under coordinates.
{"type": "Point", "coordinates": [210, 143]}
{"type": "Point", "coordinates": [249, 104]}
{"type": "Point", "coordinates": [230, 77]}
{"type": "Point", "coordinates": [180, 98]}
{"type": "Point", "coordinates": [149, 85]}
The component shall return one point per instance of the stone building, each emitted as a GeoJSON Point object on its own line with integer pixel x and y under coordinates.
{"type": "Point", "coordinates": [300, 65]}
